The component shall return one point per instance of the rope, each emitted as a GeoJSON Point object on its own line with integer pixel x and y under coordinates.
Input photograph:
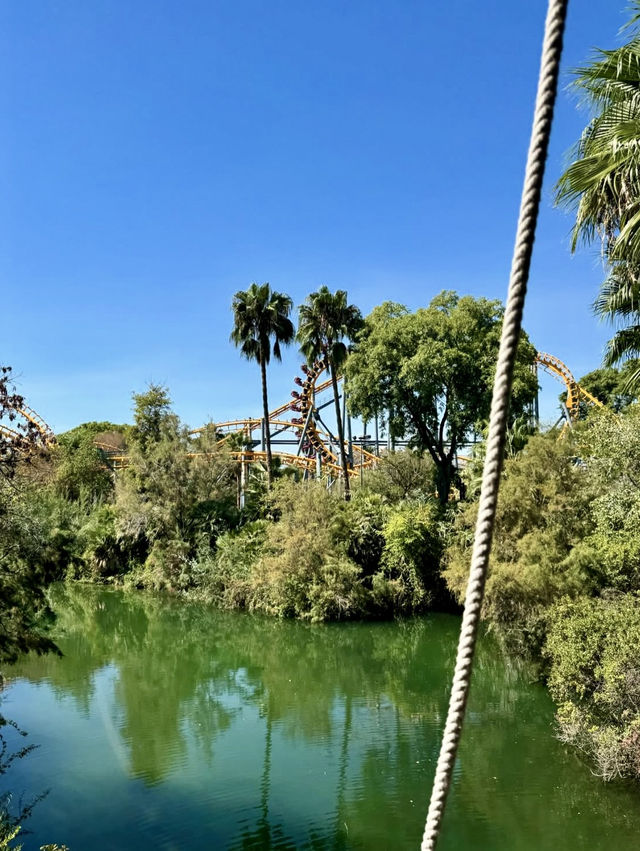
{"type": "Point", "coordinates": [541, 130]}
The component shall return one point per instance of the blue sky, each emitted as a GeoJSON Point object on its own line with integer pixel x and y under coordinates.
{"type": "Point", "coordinates": [158, 156]}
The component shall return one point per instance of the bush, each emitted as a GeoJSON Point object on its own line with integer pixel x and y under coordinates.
{"type": "Point", "coordinates": [168, 566]}
{"type": "Point", "coordinates": [102, 554]}
{"type": "Point", "coordinates": [360, 524]}
{"type": "Point", "coordinates": [594, 676]}
{"type": "Point", "coordinates": [402, 475]}
{"type": "Point", "coordinates": [224, 576]}
{"type": "Point", "coordinates": [539, 553]}
{"type": "Point", "coordinates": [306, 571]}
{"type": "Point", "coordinates": [409, 578]}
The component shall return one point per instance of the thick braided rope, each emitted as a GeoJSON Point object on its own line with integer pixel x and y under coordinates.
{"type": "Point", "coordinates": [545, 99]}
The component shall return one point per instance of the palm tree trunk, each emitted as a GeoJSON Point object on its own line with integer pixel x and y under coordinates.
{"type": "Point", "coordinates": [343, 453]}
{"type": "Point", "coordinates": [265, 414]}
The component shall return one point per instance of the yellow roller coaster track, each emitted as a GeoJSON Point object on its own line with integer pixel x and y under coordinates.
{"type": "Point", "coordinates": [118, 460]}
{"type": "Point", "coordinates": [46, 435]}
{"type": "Point", "coordinates": [575, 393]}
{"type": "Point", "coordinates": [318, 441]}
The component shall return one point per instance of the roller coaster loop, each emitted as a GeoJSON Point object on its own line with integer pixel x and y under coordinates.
{"type": "Point", "coordinates": [575, 393]}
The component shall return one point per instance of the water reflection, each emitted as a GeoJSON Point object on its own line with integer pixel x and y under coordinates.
{"type": "Point", "coordinates": [242, 732]}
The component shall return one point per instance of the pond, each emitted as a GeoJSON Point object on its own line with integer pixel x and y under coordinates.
{"type": "Point", "coordinates": [168, 725]}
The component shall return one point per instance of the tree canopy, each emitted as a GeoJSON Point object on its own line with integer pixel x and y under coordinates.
{"type": "Point", "coordinates": [602, 180]}
{"type": "Point", "coordinates": [611, 385]}
{"type": "Point", "coordinates": [430, 373]}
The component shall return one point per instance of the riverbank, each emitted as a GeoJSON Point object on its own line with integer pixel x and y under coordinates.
{"type": "Point", "coordinates": [565, 567]}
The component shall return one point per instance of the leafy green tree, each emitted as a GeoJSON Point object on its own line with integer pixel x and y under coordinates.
{"type": "Point", "coordinates": [401, 475]}
{"type": "Point", "coordinates": [24, 613]}
{"type": "Point", "coordinates": [592, 652]}
{"type": "Point", "coordinates": [152, 415]}
{"type": "Point", "coordinates": [611, 385]}
{"type": "Point", "coordinates": [433, 370]}
{"type": "Point", "coordinates": [80, 471]}
{"type": "Point", "coordinates": [172, 501]}
{"type": "Point", "coordinates": [326, 321]}
{"type": "Point", "coordinates": [260, 316]}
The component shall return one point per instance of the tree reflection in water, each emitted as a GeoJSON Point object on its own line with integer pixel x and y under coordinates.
{"type": "Point", "coordinates": [348, 716]}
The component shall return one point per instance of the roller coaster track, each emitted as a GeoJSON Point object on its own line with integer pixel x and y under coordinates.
{"type": "Point", "coordinates": [319, 440]}
{"type": "Point", "coordinates": [315, 442]}
{"type": "Point", "coordinates": [575, 393]}
{"type": "Point", "coordinates": [118, 460]}
{"type": "Point", "coordinates": [19, 438]}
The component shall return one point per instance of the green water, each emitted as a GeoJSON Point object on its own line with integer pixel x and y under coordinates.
{"type": "Point", "coordinates": [172, 726]}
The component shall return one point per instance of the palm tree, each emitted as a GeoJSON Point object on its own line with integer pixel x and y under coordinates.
{"type": "Point", "coordinates": [326, 320]}
{"type": "Point", "coordinates": [261, 315]}
{"type": "Point", "coordinates": [619, 300]}
{"type": "Point", "coordinates": [603, 181]}
{"type": "Point", "coordinates": [603, 185]}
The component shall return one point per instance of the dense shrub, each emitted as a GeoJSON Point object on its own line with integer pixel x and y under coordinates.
{"type": "Point", "coordinates": [402, 475]}
{"type": "Point", "coordinates": [594, 675]}
{"type": "Point", "coordinates": [224, 576]}
{"type": "Point", "coordinates": [319, 558]}
{"type": "Point", "coordinates": [539, 553]}
{"type": "Point", "coordinates": [360, 525]}
{"type": "Point", "coordinates": [409, 578]}
{"type": "Point", "coordinates": [565, 575]}
{"type": "Point", "coordinates": [306, 571]}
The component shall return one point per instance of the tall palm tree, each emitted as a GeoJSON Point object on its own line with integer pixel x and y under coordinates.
{"type": "Point", "coordinates": [603, 181]}
{"type": "Point", "coordinates": [603, 185]}
{"type": "Point", "coordinates": [326, 320]}
{"type": "Point", "coordinates": [260, 316]}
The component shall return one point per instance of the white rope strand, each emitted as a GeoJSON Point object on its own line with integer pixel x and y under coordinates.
{"type": "Point", "coordinates": [534, 173]}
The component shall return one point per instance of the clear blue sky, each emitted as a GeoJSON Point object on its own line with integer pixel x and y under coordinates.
{"type": "Point", "coordinates": [158, 156]}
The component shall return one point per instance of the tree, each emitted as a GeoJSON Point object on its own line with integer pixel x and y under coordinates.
{"type": "Point", "coordinates": [174, 498]}
{"type": "Point", "coordinates": [602, 184]}
{"type": "Point", "coordinates": [610, 385]}
{"type": "Point", "coordinates": [260, 316]}
{"type": "Point", "coordinates": [152, 415]}
{"type": "Point", "coordinates": [24, 613]}
{"type": "Point", "coordinates": [20, 442]}
{"type": "Point", "coordinates": [326, 321]}
{"type": "Point", "coordinates": [432, 371]}
{"type": "Point", "coordinates": [602, 181]}
{"type": "Point", "coordinates": [619, 302]}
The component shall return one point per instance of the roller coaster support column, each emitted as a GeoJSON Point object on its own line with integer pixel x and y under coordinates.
{"type": "Point", "coordinates": [362, 446]}
{"type": "Point", "coordinates": [304, 431]}
{"type": "Point", "coordinates": [346, 423]}
{"type": "Point", "coordinates": [535, 409]}
{"type": "Point", "coordinates": [391, 443]}
{"type": "Point", "coordinates": [377, 437]}
{"type": "Point", "coordinates": [243, 479]}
